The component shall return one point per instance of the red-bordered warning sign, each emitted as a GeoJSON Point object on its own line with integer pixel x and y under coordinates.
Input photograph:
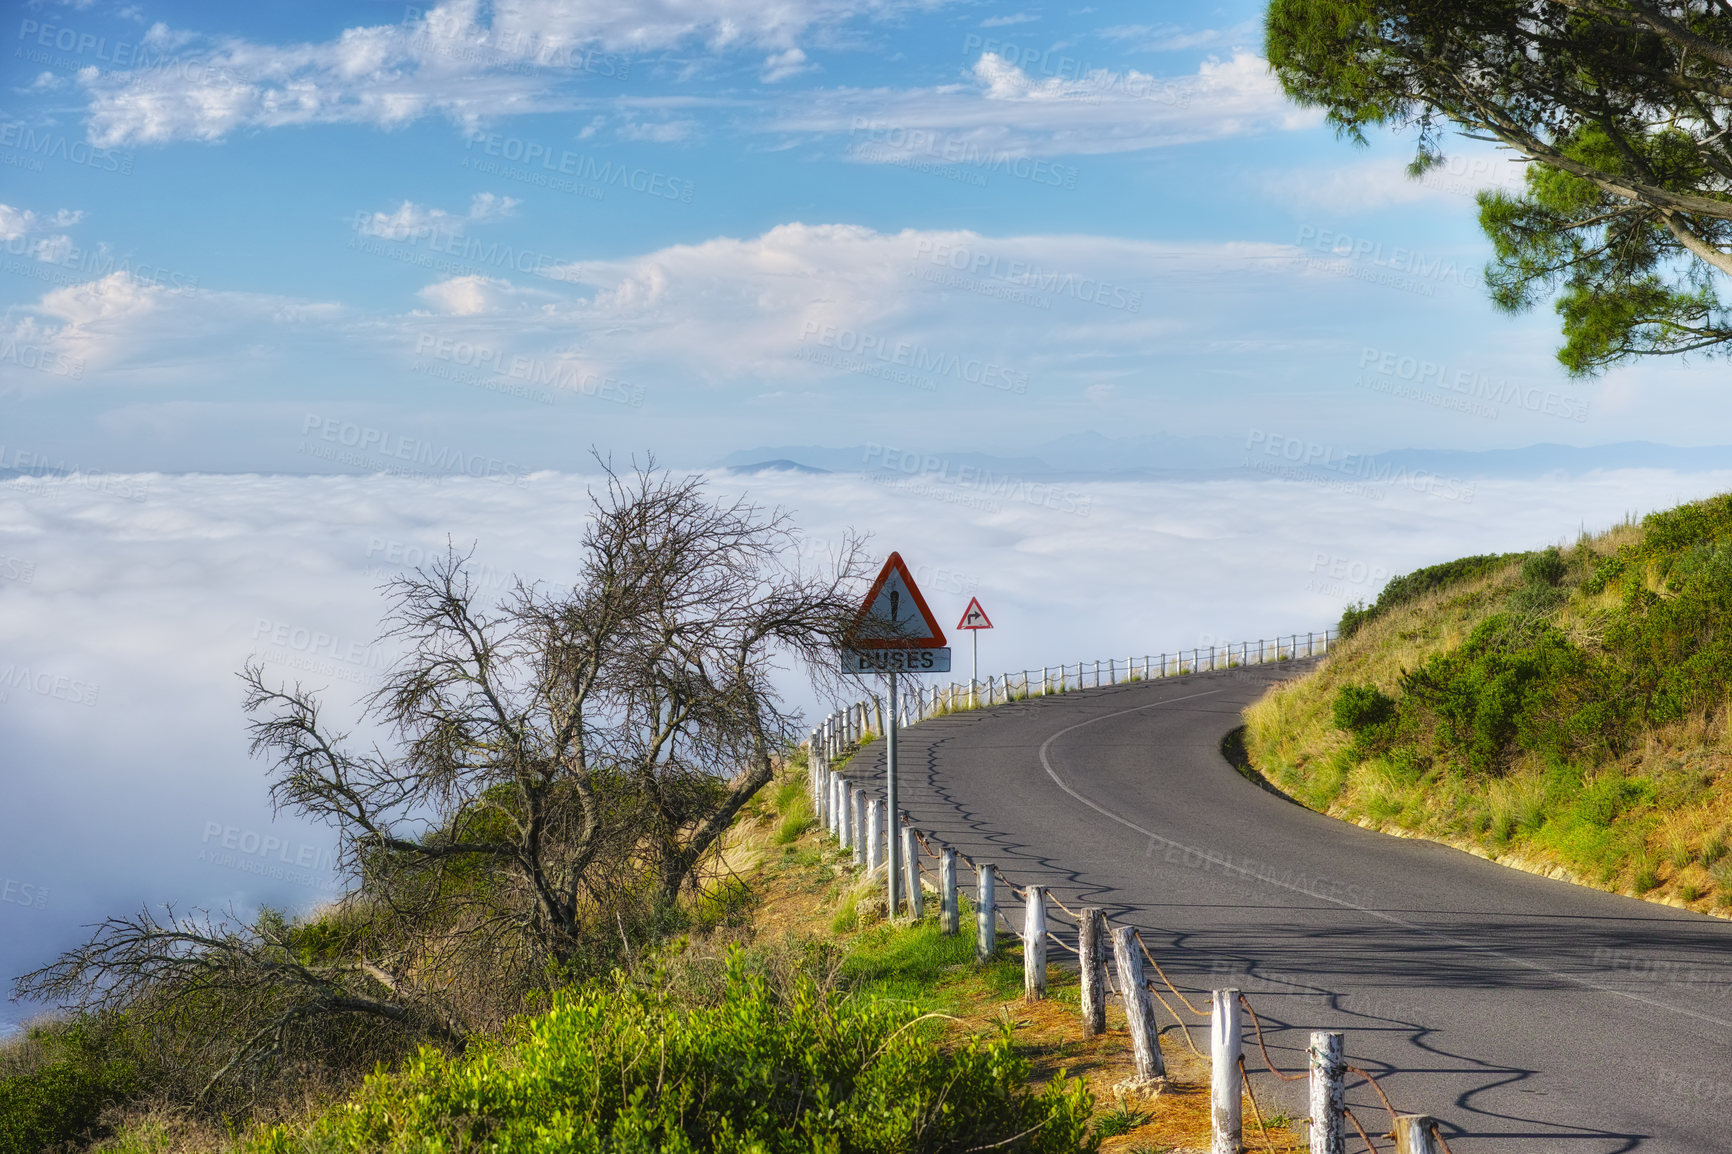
{"type": "Point", "coordinates": [894, 614]}
{"type": "Point", "coordinates": [974, 617]}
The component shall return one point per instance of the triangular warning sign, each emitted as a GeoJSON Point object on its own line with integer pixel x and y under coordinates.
{"type": "Point", "coordinates": [974, 617]}
{"type": "Point", "coordinates": [894, 615]}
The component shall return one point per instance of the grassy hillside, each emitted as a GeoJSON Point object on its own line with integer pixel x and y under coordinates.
{"type": "Point", "coordinates": [1568, 709]}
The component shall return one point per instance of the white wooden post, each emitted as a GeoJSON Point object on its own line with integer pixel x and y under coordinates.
{"type": "Point", "coordinates": [911, 873]}
{"type": "Point", "coordinates": [949, 908]}
{"type": "Point", "coordinates": [1226, 1046]}
{"type": "Point", "coordinates": [845, 831]}
{"type": "Point", "coordinates": [1139, 1011]}
{"type": "Point", "coordinates": [1328, 1072]}
{"type": "Point", "coordinates": [985, 913]}
{"type": "Point", "coordinates": [1416, 1134]}
{"type": "Point", "coordinates": [875, 837]}
{"type": "Point", "coordinates": [831, 807]}
{"type": "Point", "coordinates": [1034, 944]}
{"type": "Point", "coordinates": [856, 803]}
{"type": "Point", "coordinates": [1091, 960]}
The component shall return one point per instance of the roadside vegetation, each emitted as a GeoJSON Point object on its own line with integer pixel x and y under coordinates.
{"type": "Point", "coordinates": [1568, 709]}
{"type": "Point", "coordinates": [783, 1013]}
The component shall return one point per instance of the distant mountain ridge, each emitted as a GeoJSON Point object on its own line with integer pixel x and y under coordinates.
{"type": "Point", "coordinates": [1093, 456]}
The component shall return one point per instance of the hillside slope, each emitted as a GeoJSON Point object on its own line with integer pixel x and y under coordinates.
{"type": "Point", "coordinates": [1567, 710]}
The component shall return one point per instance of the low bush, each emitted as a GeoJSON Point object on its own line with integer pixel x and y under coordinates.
{"type": "Point", "coordinates": [621, 1067]}
{"type": "Point", "coordinates": [61, 1079]}
{"type": "Point", "coordinates": [1362, 707]}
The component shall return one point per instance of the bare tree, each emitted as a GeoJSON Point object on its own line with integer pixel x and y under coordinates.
{"type": "Point", "coordinates": [553, 766]}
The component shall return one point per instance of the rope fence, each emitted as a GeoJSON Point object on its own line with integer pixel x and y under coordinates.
{"type": "Point", "coordinates": [1111, 960]}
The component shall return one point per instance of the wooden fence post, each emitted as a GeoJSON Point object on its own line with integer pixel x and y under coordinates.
{"type": "Point", "coordinates": [844, 827]}
{"type": "Point", "coordinates": [949, 910]}
{"type": "Point", "coordinates": [857, 814]}
{"type": "Point", "coordinates": [1091, 959]}
{"type": "Point", "coordinates": [875, 838]}
{"type": "Point", "coordinates": [911, 873]}
{"type": "Point", "coordinates": [985, 912]}
{"type": "Point", "coordinates": [1328, 1071]}
{"type": "Point", "coordinates": [1416, 1134]}
{"type": "Point", "coordinates": [832, 784]}
{"type": "Point", "coordinates": [1139, 1011]}
{"type": "Point", "coordinates": [1226, 1047]}
{"type": "Point", "coordinates": [1034, 944]}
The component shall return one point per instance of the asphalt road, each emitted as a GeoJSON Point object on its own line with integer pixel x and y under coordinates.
{"type": "Point", "coordinates": [1527, 1014]}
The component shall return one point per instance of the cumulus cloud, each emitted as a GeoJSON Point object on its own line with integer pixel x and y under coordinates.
{"type": "Point", "coordinates": [127, 603]}
{"type": "Point", "coordinates": [25, 232]}
{"type": "Point", "coordinates": [460, 59]}
{"type": "Point", "coordinates": [1040, 104]}
{"type": "Point", "coordinates": [128, 328]}
{"type": "Point", "coordinates": [781, 65]}
{"type": "Point", "coordinates": [410, 221]}
{"type": "Point", "coordinates": [473, 295]}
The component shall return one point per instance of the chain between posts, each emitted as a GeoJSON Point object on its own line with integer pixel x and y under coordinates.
{"type": "Point", "coordinates": [1245, 1080]}
{"type": "Point", "coordinates": [1267, 1060]}
{"type": "Point", "coordinates": [1369, 1078]}
{"type": "Point", "coordinates": [1351, 1117]}
{"type": "Point", "coordinates": [1184, 1030]}
{"type": "Point", "coordinates": [1144, 946]}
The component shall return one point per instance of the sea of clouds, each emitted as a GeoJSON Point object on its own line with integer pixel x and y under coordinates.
{"type": "Point", "coordinates": [128, 603]}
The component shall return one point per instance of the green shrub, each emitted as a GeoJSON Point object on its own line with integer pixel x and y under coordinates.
{"type": "Point", "coordinates": [623, 1068]}
{"type": "Point", "coordinates": [81, 1070]}
{"type": "Point", "coordinates": [1544, 568]}
{"type": "Point", "coordinates": [1362, 707]}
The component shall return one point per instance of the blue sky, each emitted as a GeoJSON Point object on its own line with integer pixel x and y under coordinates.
{"type": "Point", "coordinates": [523, 229]}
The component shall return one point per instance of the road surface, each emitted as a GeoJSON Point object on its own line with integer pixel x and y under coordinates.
{"type": "Point", "coordinates": [1527, 1014]}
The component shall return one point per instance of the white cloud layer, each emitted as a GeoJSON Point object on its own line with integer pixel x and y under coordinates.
{"type": "Point", "coordinates": [462, 59]}
{"type": "Point", "coordinates": [1017, 106]}
{"type": "Point", "coordinates": [411, 221]}
{"type": "Point", "coordinates": [24, 232]}
{"type": "Point", "coordinates": [127, 603]}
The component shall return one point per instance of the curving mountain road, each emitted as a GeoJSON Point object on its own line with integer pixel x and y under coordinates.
{"type": "Point", "coordinates": [1527, 1014]}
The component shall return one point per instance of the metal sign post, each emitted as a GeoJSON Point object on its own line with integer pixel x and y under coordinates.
{"type": "Point", "coordinates": [893, 825]}
{"type": "Point", "coordinates": [894, 633]}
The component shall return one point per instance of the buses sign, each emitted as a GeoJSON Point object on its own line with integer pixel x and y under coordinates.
{"type": "Point", "coordinates": [894, 631]}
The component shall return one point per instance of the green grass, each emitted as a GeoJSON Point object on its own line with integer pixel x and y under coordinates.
{"type": "Point", "coordinates": [1117, 1120]}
